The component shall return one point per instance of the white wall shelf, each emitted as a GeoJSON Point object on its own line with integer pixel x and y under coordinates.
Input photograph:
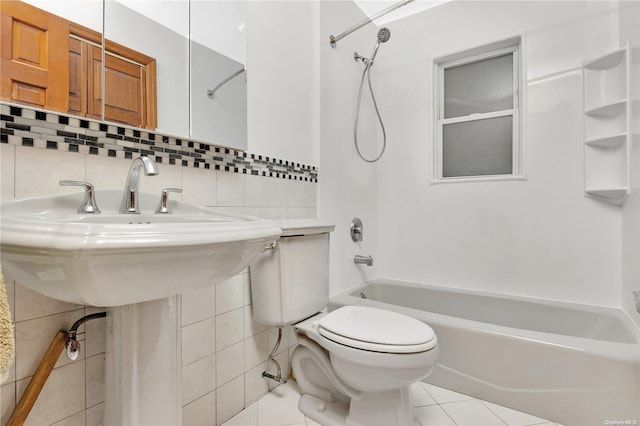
{"type": "Point", "coordinates": [609, 193]}
{"type": "Point", "coordinates": [606, 127]}
{"type": "Point", "coordinates": [608, 110]}
{"type": "Point", "coordinates": [607, 61]}
{"type": "Point", "coordinates": [612, 141]}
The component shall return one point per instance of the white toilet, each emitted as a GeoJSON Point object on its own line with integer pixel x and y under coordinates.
{"type": "Point", "coordinates": [354, 365]}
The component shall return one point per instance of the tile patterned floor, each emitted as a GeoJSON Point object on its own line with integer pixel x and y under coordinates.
{"type": "Point", "coordinates": [434, 406]}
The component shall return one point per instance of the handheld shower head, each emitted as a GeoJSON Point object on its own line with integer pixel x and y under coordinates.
{"type": "Point", "coordinates": [384, 35]}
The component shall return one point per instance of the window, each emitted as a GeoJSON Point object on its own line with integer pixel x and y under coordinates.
{"type": "Point", "coordinates": [477, 114]}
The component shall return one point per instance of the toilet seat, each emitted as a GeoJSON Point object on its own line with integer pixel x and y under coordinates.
{"type": "Point", "coordinates": [377, 330]}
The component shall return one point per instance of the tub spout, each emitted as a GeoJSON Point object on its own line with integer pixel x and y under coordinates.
{"type": "Point", "coordinates": [363, 260]}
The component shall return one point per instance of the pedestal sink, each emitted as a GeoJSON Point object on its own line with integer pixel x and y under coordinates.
{"type": "Point", "coordinates": [114, 259]}
{"type": "Point", "coordinates": [135, 264]}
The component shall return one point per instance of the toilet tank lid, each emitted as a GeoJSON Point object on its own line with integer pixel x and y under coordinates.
{"type": "Point", "coordinates": [291, 227]}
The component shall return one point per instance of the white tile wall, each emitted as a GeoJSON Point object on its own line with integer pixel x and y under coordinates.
{"type": "Point", "coordinates": [229, 399]}
{"type": "Point", "coordinates": [224, 351]}
{"type": "Point", "coordinates": [241, 348]}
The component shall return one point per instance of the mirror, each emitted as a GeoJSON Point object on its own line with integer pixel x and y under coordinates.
{"type": "Point", "coordinates": [196, 45]}
{"type": "Point", "coordinates": [87, 13]}
{"type": "Point", "coordinates": [189, 46]}
{"type": "Point", "coordinates": [151, 33]}
{"type": "Point", "coordinates": [218, 73]}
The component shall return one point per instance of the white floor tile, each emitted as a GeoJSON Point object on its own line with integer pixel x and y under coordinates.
{"type": "Point", "coordinates": [280, 406]}
{"type": "Point", "coordinates": [513, 417]}
{"type": "Point", "coordinates": [420, 396]}
{"type": "Point", "coordinates": [443, 396]}
{"type": "Point", "coordinates": [471, 413]}
{"type": "Point", "coordinates": [246, 417]}
{"type": "Point", "coordinates": [433, 415]}
{"type": "Point", "coordinates": [434, 406]}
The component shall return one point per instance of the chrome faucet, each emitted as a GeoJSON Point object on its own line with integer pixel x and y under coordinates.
{"type": "Point", "coordinates": [363, 260]}
{"type": "Point", "coordinates": [130, 200]}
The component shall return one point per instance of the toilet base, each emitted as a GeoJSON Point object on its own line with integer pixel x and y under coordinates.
{"type": "Point", "coordinates": [324, 413]}
{"type": "Point", "coordinates": [390, 408]}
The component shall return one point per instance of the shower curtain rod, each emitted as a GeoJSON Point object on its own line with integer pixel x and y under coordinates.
{"type": "Point", "coordinates": [211, 92]}
{"type": "Point", "coordinates": [334, 40]}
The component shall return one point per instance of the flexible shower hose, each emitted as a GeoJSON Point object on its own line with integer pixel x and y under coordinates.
{"type": "Point", "coordinates": [367, 72]}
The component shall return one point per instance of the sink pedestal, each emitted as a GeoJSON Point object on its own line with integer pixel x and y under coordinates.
{"type": "Point", "coordinates": [142, 365]}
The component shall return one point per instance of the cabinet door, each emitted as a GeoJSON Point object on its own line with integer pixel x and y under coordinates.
{"type": "Point", "coordinates": [125, 91]}
{"type": "Point", "coordinates": [33, 57]}
{"type": "Point", "coordinates": [78, 52]}
{"type": "Point", "coordinates": [85, 74]}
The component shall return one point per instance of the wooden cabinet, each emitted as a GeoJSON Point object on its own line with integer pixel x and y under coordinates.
{"type": "Point", "coordinates": [130, 87]}
{"type": "Point", "coordinates": [33, 51]}
{"type": "Point", "coordinates": [50, 63]}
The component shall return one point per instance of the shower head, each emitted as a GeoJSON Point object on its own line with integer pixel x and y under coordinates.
{"type": "Point", "coordinates": [384, 35]}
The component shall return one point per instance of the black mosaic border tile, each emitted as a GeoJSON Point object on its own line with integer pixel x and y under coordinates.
{"type": "Point", "coordinates": [29, 127]}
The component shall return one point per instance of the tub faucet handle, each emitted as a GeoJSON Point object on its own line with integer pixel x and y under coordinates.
{"type": "Point", "coordinates": [356, 230]}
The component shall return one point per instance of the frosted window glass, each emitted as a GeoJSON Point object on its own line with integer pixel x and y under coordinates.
{"type": "Point", "coordinates": [479, 87]}
{"type": "Point", "coordinates": [477, 148]}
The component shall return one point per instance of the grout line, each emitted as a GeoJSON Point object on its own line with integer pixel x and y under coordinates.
{"type": "Point", "coordinates": [81, 308]}
{"type": "Point", "coordinates": [448, 415]}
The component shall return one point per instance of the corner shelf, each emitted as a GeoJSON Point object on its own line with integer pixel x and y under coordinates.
{"type": "Point", "coordinates": [612, 141]}
{"type": "Point", "coordinates": [606, 127]}
{"type": "Point", "coordinates": [612, 195]}
{"type": "Point", "coordinates": [607, 61]}
{"type": "Point", "coordinates": [608, 110]}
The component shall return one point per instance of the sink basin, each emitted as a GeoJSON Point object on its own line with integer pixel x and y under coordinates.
{"type": "Point", "coordinates": [114, 259]}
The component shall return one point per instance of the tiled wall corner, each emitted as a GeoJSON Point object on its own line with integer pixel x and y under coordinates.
{"type": "Point", "coordinates": [224, 351]}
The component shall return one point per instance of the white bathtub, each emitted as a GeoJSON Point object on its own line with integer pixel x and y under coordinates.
{"type": "Point", "coordinates": [573, 364]}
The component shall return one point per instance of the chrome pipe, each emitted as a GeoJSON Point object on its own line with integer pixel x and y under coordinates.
{"type": "Point", "coordinates": [211, 92]}
{"type": "Point", "coordinates": [272, 246]}
{"type": "Point", "coordinates": [278, 376]}
{"type": "Point", "coordinates": [333, 40]}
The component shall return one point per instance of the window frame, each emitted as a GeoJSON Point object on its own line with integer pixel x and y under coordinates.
{"type": "Point", "coordinates": [512, 46]}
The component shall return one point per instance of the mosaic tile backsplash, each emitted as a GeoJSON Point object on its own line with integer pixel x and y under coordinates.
{"type": "Point", "coordinates": [46, 130]}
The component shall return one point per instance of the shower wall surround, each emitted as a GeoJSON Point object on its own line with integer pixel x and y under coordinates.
{"type": "Point", "coordinates": [539, 237]}
{"type": "Point", "coordinates": [224, 351]}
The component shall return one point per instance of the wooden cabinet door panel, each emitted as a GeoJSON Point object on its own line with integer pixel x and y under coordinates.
{"type": "Point", "coordinates": [125, 95]}
{"type": "Point", "coordinates": [33, 56]}
{"type": "Point", "coordinates": [78, 77]}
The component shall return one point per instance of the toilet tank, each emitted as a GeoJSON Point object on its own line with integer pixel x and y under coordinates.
{"type": "Point", "coordinates": [291, 281]}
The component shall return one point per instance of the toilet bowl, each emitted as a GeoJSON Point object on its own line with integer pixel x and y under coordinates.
{"type": "Point", "coordinates": [354, 365]}
{"type": "Point", "coordinates": [369, 357]}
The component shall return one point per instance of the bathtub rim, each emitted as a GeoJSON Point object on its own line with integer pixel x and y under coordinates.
{"type": "Point", "coordinates": [629, 351]}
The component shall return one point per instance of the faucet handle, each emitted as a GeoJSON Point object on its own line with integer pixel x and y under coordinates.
{"type": "Point", "coordinates": [164, 197]}
{"type": "Point", "coordinates": [89, 204]}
